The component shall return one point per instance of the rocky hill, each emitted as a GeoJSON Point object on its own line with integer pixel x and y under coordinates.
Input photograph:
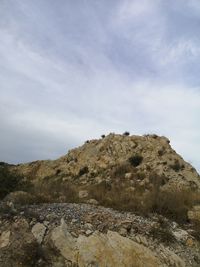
{"type": "Point", "coordinates": [134, 202]}
{"type": "Point", "coordinates": [93, 162]}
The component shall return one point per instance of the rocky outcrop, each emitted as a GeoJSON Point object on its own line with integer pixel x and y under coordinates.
{"type": "Point", "coordinates": [92, 162]}
{"type": "Point", "coordinates": [101, 250]}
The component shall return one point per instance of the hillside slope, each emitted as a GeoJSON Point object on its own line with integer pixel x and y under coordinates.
{"type": "Point", "coordinates": [94, 161]}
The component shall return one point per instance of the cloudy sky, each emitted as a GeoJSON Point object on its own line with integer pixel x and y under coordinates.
{"type": "Point", "coordinates": [73, 70]}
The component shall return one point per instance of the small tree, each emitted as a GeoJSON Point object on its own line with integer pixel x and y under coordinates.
{"type": "Point", "coordinates": [126, 133]}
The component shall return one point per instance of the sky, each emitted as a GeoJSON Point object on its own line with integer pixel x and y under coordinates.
{"type": "Point", "coordinates": [71, 71]}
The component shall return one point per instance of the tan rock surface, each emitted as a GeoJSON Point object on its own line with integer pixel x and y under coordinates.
{"type": "Point", "coordinates": [109, 249]}
{"type": "Point", "coordinates": [4, 239]}
{"type": "Point", "coordinates": [38, 231]}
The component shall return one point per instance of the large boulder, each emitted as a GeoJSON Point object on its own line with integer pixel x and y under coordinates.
{"type": "Point", "coordinates": [101, 250]}
{"type": "Point", "coordinates": [38, 231]}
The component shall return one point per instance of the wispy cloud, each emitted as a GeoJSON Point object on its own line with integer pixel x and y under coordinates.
{"type": "Point", "coordinates": [70, 71]}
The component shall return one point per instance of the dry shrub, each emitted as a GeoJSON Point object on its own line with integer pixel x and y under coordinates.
{"type": "Point", "coordinates": [163, 234]}
{"type": "Point", "coordinates": [11, 181]}
{"type": "Point", "coordinates": [116, 197]}
{"type": "Point", "coordinates": [6, 211]}
{"type": "Point", "coordinates": [83, 171]}
{"type": "Point", "coordinates": [176, 166]}
{"type": "Point", "coordinates": [29, 255]}
{"type": "Point", "coordinates": [20, 197]}
{"type": "Point", "coordinates": [173, 204]}
{"type": "Point", "coordinates": [196, 228]}
{"type": "Point", "coordinates": [126, 133]}
{"type": "Point", "coordinates": [119, 171]}
{"type": "Point", "coordinates": [54, 191]}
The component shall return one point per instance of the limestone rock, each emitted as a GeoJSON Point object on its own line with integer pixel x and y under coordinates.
{"type": "Point", "coordinates": [173, 259]}
{"type": "Point", "coordinates": [101, 250]}
{"type": "Point", "coordinates": [38, 231]}
{"type": "Point", "coordinates": [4, 239]}
{"type": "Point", "coordinates": [181, 235]}
{"type": "Point", "coordinates": [83, 194]}
{"type": "Point", "coordinates": [88, 232]}
{"type": "Point", "coordinates": [65, 242]}
{"type": "Point", "coordinates": [128, 175]}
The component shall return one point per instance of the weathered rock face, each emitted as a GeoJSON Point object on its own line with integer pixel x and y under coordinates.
{"type": "Point", "coordinates": [101, 250]}
{"type": "Point", "coordinates": [90, 163]}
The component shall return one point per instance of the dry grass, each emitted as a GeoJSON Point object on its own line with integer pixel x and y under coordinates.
{"type": "Point", "coordinates": [163, 234]}
{"type": "Point", "coordinates": [116, 197]}
{"type": "Point", "coordinates": [173, 204]}
{"type": "Point", "coordinates": [10, 181]}
{"type": "Point", "coordinates": [121, 193]}
{"type": "Point", "coordinates": [196, 228]}
{"type": "Point", "coordinates": [55, 191]}
{"type": "Point", "coordinates": [49, 192]}
{"type": "Point", "coordinates": [119, 171]}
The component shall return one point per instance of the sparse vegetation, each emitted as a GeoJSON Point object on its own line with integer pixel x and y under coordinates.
{"type": "Point", "coordinates": [11, 182]}
{"type": "Point", "coordinates": [161, 152]}
{"type": "Point", "coordinates": [55, 191]}
{"type": "Point", "coordinates": [120, 170]}
{"type": "Point", "coordinates": [126, 133]}
{"type": "Point", "coordinates": [163, 234]}
{"type": "Point", "coordinates": [136, 160]}
{"type": "Point", "coordinates": [196, 228]}
{"type": "Point", "coordinates": [83, 171]}
{"type": "Point", "coordinates": [6, 211]}
{"type": "Point", "coordinates": [173, 204]}
{"type": "Point", "coordinates": [176, 166]}
{"type": "Point", "coordinates": [3, 163]}
{"type": "Point", "coordinates": [103, 136]}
